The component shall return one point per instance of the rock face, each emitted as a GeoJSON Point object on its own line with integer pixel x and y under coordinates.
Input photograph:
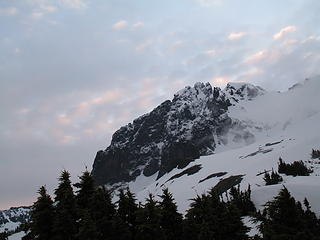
{"type": "Point", "coordinates": [172, 135]}
{"type": "Point", "coordinates": [14, 217]}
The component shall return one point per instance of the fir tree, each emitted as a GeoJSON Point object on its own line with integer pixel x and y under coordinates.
{"type": "Point", "coordinates": [87, 228]}
{"type": "Point", "coordinates": [127, 209]}
{"type": "Point", "coordinates": [315, 154]}
{"type": "Point", "coordinates": [170, 219]}
{"type": "Point", "coordinates": [284, 218]}
{"type": "Point", "coordinates": [103, 211]}
{"type": "Point", "coordinates": [225, 219]}
{"type": "Point", "coordinates": [297, 168]}
{"type": "Point", "coordinates": [148, 221]}
{"type": "Point", "coordinates": [195, 217]}
{"type": "Point", "coordinates": [242, 200]}
{"type": "Point", "coordinates": [86, 190]}
{"type": "Point", "coordinates": [42, 215]}
{"type": "Point", "coordinates": [211, 218]}
{"type": "Point", "coordinates": [65, 225]}
{"type": "Point", "coordinates": [273, 178]}
{"type": "Point", "coordinates": [120, 229]}
{"type": "Point", "coordinates": [4, 236]}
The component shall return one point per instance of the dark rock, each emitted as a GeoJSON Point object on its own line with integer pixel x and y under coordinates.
{"type": "Point", "coordinates": [227, 183]}
{"type": "Point", "coordinates": [219, 174]}
{"type": "Point", "coordinates": [189, 171]}
{"type": "Point", "coordinates": [171, 136]}
{"type": "Point", "coordinates": [15, 214]}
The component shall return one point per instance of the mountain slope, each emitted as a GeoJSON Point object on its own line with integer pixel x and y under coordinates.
{"type": "Point", "coordinates": [288, 127]}
{"type": "Point", "coordinates": [10, 219]}
{"type": "Point", "coordinates": [175, 133]}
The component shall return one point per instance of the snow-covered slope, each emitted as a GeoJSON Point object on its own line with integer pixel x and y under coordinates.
{"type": "Point", "coordinates": [283, 125]}
{"type": "Point", "coordinates": [10, 219]}
{"type": "Point", "coordinates": [194, 123]}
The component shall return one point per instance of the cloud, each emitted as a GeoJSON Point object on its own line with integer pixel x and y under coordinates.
{"type": "Point", "coordinates": [137, 24]}
{"type": "Point", "coordinates": [209, 3]}
{"type": "Point", "coordinates": [86, 107]}
{"type": "Point", "coordinates": [17, 51]}
{"type": "Point", "coordinates": [48, 8]}
{"type": "Point", "coordinates": [37, 14]}
{"type": "Point", "coordinates": [74, 71]}
{"type": "Point", "coordinates": [67, 139]}
{"type": "Point", "coordinates": [211, 52]}
{"type": "Point", "coordinates": [284, 31]}
{"type": "Point", "coordinates": [120, 25]}
{"type": "Point", "coordinates": [10, 11]}
{"type": "Point", "coordinates": [76, 4]}
{"type": "Point", "coordinates": [142, 46]}
{"type": "Point", "coordinates": [220, 81]}
{"type": "Point", "coordinates": [63, 119]}
{"type": "Point", "coordinates": [256, 57]}
{"type": "Point", "coordinates": [236, 35]}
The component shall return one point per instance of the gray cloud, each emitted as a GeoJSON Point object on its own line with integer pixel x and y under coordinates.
{"type": "Point", "coordinates": [73, 71]}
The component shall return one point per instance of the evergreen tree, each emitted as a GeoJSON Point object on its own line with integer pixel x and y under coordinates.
{"type": "Point", "coordinates": [315, 154]}
{"type": "Point", "coordinates": [273, 178]}
{"type": "Point", "coordinates": [65, 225]}
{"type": "Point", "coordinates": [211, 218]}
{"type": "Point", "coordinates": [86, 190]}
{"type": "Point", "coordinates": [127, 209]}
{"type": "Point", "coordinates": [87, 227]}
{"type": "Point", "coordinates": [242, 200]}
{"type": "Point", "coordinates": [103, 211]}
{"type": "Point", "coordinates": [195, 217]}
{"type": "Point", "coordinates": [148, 221]}
{"type": "Point", "coordinates": [170, 219]}
{"type": "Point", "coordinates": [284, 218]}
{"type": "Point", "coordinates": [120, 229]}
{"type": "Point", "coordinates": [225, 218]}
{"type": "Point", "coordinates": [297, 168]}
{"type": "Point", "coordinates": [42, 215]}
{"type": "Point", "coordinates": [4, 236]}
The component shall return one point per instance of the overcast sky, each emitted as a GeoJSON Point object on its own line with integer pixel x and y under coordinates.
{"type": "Point", "coordinates": [74, 71]}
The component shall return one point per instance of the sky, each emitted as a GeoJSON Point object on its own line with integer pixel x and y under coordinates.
{"type": "Point", "coordinates": [74, 71]}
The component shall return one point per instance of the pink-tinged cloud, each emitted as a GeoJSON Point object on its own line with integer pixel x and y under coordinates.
{"type": "Point", "coordinates": [142, 46]}
{"type": "Point", "coordinates": [236, 35]}
{"type": "Point", "coordinates": [61, 137]}
{"type": "Point", "coordinates": [211, 52]}
{"type": "Point", "coordinates": [66, 139]}
{"type": "Point", "coordinates": [176, 45]}
{"type": "Point", "coordinates": [290, 42]}
{"type": "Point", "coordinates": [8, 11]}
{"type": "Point", "coordinates": [257, 57]}
{"type": "Point", "coordinates": [137, 24]}
{"type": "Point", "coordinates": [250, 74]}
{"type": "Point", "coordinates": [284, 31]}
{"type": "Point", "coordinates": [220, 81]}
{"type": "Point", "coordinates": [84, 108]}
{"type": "Point", "coordinates": [63, 119]}
{"type": "Point", "coordinates": [120, 25]}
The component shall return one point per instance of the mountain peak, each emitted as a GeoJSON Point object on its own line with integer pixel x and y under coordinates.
{"type": "Point", "coordinates": [199, 90]}
{"type": "Point", "coordinates": [243, 91]}
{"type": "Point", "coordinates": [172, 135]}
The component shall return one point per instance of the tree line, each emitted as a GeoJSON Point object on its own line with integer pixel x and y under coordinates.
{"type": "Point", "coordinates": [297, 168]}
{"type": "Point", "coordinates": [90, 214]}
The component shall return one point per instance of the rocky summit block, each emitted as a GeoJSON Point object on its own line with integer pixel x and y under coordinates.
{"type": "Point", "coordinates": [172, 135]}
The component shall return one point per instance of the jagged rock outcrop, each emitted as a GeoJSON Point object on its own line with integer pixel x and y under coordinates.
{"type": "Point", "coordinates": [172, 135]}
{"type": "Point", "coordinates": [16, 215]}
